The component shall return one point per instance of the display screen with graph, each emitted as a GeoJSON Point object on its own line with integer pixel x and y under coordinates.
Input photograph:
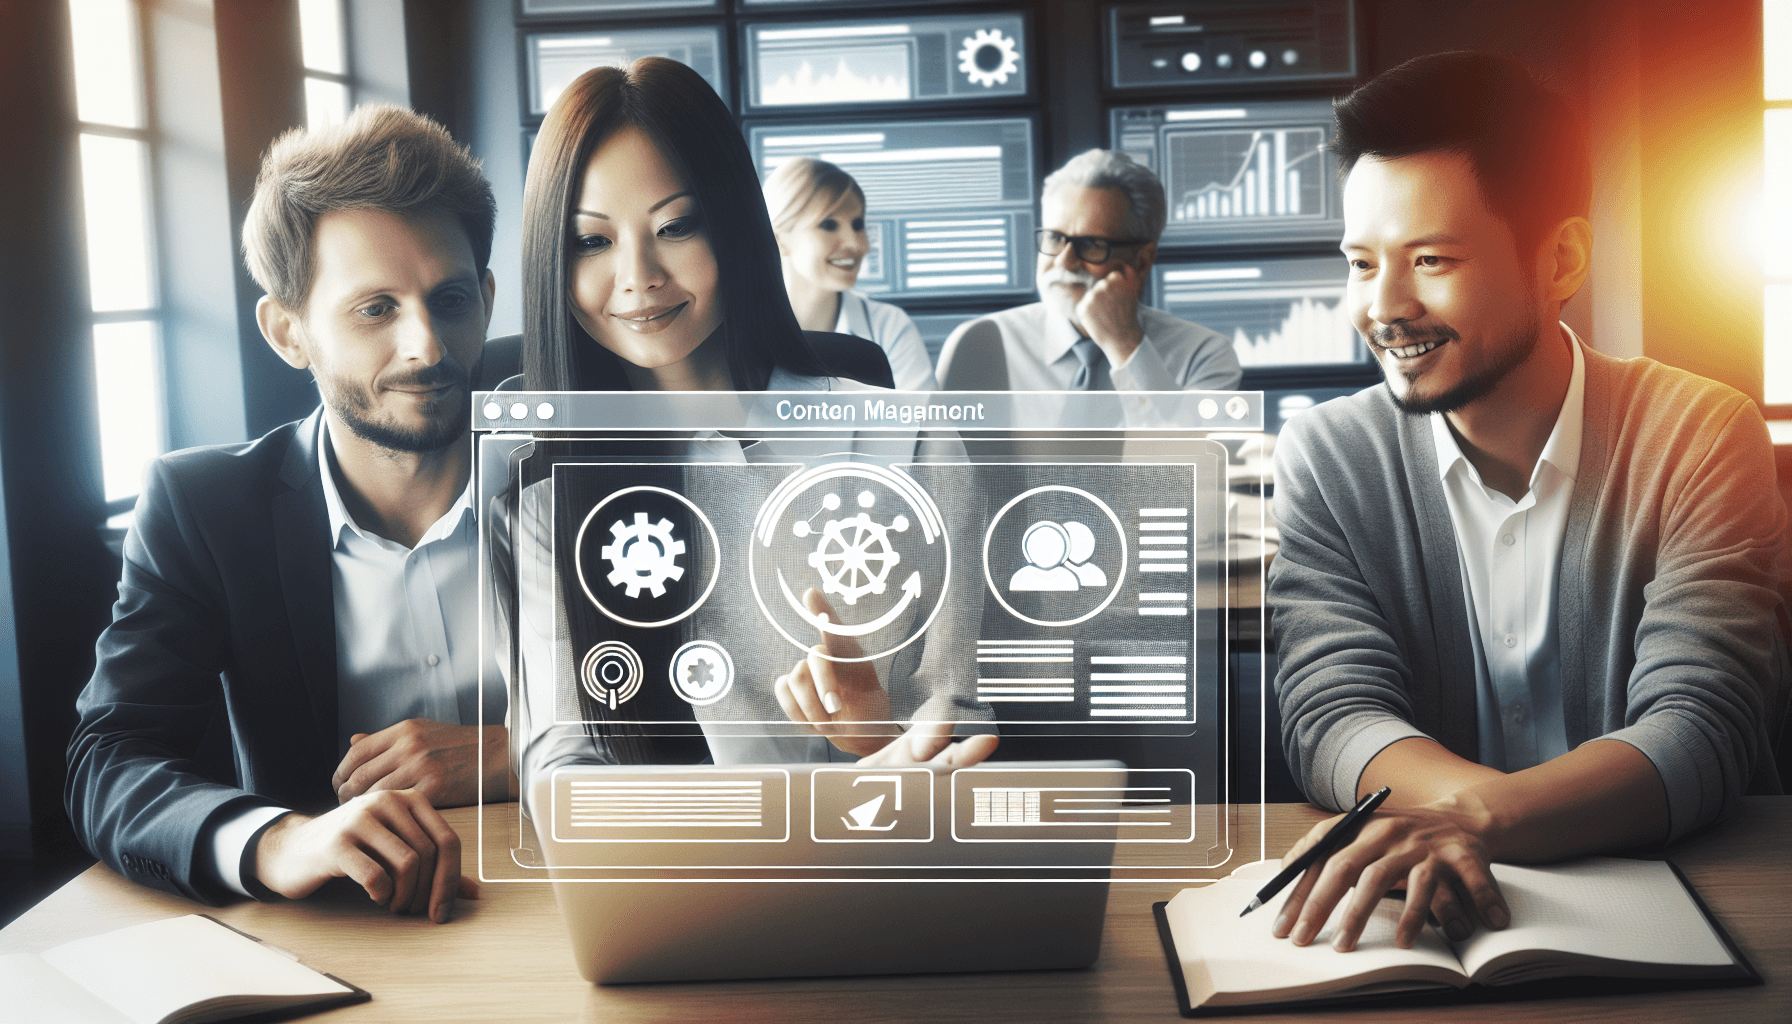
{"type": "Point", "coordinates": [887, 60]}
{"type": "Point", "coordinates": [1278, 312]}
{"type": "Point", "coordinates": [1245, 172]}
{"type": "Point", "coordinates": [554, 59]}
{"type": "Point", "coordinates": [949, 203]}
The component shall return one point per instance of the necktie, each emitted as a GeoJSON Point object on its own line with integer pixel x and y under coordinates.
{"type": "Point", "coordinates": [1088, 357]}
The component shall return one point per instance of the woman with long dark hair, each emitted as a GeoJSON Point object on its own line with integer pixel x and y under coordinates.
{"type": "Point", "coordinates": [632, 139]}
{"type": "Point", "coordinates": [650, 264]}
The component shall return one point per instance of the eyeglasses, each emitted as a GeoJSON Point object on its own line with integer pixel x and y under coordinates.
{"type": "Point", "coordinates": [1088, 248]}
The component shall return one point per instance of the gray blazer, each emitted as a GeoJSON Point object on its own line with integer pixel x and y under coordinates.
{"type": "Point", "coordinates": [1673, 632]}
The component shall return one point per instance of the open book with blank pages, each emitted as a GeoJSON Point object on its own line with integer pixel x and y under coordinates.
{"type": "Point", "coordinates": [180, 970]}
{"type": "Point", "coordinates": [1577, 928]}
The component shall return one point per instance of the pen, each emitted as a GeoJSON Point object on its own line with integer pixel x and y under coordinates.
{"type": "Point", "coordinates": [1338, 836]}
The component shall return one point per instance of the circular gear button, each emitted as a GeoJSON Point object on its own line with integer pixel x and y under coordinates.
{"type": "Point", "coordinates": [702, 672]}
{"type": "Point", "coordinates": [647, 556]}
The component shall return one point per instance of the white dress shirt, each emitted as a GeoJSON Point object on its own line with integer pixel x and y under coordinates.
{"type": "Point", "coordinates": [407, 637]}
{"type": "Point", "coordinates": [1174, 355]}
{"type": "Point", "coordinates": [1511, 556]}
{"type": "Point", "coordinates": [895, 333]}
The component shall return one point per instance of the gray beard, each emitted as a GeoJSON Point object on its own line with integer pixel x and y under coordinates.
{"type": "Point", "coordinates": [1054, 298]}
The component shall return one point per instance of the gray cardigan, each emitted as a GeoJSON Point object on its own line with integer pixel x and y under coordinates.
{"type": "Point", "coordinates": [1673, 633]}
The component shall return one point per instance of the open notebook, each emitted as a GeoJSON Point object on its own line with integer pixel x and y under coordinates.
{"type": "Point", "coordinates": [1599, 917]}
{"type": "Point", "coordinates": [180, 970]}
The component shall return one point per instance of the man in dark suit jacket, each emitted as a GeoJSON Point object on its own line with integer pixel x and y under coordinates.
{"type": "Point", "coordinates": [316, 584]}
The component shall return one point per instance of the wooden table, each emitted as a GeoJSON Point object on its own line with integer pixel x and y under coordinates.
{"type": "Point", "coordinates": [506, 958]}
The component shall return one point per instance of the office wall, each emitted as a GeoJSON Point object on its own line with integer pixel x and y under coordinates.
{"type": "Point", "coordinates": [495, 134]}
{"type": "Point", "coordinates": [15, 796]}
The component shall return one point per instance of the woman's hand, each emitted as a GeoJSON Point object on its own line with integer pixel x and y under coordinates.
{"type": "Point", "coordinates": [841, 700]}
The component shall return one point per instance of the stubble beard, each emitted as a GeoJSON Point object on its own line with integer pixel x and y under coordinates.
{"type": "Point", "coordinates": [1477, 382]}
{"type": "Point", "coordinates": [447, 417]}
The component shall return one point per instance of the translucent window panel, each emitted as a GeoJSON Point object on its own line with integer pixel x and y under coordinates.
{"type": "Point", "coordinates": [1778, 345]}
{"type": "Point", "coordinates": [108, 79]}
{"type": "Point", "coordinates": [114, 190]}
{"type": "Point", "coordinates": [320, 36]}
{"type": "Point", "coordinates": [128, 389]}
{"type": "Point", "coordinates": [1776, 25]}
{"type": "Point", "coordinates": [1777, 185]}
{"type": "Point", "coordinates": [326, 103]}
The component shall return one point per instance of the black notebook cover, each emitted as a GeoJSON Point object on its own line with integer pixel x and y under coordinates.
{"type": "Point", "coordinates": [1555, 988]}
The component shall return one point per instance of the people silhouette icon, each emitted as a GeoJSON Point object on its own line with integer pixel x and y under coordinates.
{"type": "Point", "coordinates": [1058, 558]}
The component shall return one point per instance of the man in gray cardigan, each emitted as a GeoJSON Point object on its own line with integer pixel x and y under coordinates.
{"type": "Point", "coordinates": [1529, 587]}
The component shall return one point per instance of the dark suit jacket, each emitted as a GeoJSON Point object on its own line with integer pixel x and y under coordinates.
{"type": "Point", "coordinates": [225, 600]}
{"type": "Point", "coordinates": [226, 604]}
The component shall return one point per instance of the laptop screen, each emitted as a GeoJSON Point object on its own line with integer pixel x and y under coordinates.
{"type": "Point", "coordinates": [676, 581]}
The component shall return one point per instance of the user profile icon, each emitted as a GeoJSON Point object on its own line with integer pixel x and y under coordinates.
{"type": "Point", "coordinates": [1057, 558]}
{"type": "Point", "coordinates": [1054, 555]}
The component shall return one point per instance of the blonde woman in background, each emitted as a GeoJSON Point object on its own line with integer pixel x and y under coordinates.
{"type": "Point", "coordinates": [818, 213]}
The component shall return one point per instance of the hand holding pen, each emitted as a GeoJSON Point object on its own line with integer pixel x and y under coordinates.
{"type": "Point", "coordinates": [1338, 836]}
{"type": "Point", "coordinates": [1435, 851]}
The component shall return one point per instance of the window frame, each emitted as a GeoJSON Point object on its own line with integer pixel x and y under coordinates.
{"type": "Point", "coordinates": [147, 135]}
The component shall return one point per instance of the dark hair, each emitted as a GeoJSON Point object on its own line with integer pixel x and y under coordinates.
{"type": "Point", "coordinates": [382, 157]}
{"type": "Point", "coordinates": [693, 130]}
{"type": "Point", "coordinates": [1527, 144]}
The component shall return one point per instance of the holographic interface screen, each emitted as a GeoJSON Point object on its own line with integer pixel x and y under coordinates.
{"type": "Point", "coordinates": [1054, 569]}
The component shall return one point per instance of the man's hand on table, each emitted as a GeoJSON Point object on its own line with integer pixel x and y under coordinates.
{"type": "Point", "coordinates": [443, 762]}
{"type": "Point", "coordinates": [392, 843]}
{"type": "Point", "coordinates": [1435, 852]}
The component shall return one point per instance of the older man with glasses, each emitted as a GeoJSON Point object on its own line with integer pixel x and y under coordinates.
{"type": "Point", "coordinates": [1102, 215]}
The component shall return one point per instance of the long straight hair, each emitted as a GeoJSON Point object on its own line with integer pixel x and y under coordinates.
{"type": "Point", "coordinates": [693, 130]}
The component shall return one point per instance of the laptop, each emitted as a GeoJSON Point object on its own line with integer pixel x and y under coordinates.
{"type": "Point", "coordinates": [705, 873]}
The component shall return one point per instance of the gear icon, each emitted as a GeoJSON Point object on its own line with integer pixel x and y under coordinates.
{"type": "Point", "coordinates": [859, 564]}
{"type": "Point", "coordinates": [988, 57]}
{"type": "Point", "coordinates": [643, 555]}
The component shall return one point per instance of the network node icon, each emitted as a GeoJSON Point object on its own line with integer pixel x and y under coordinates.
{"type": "Point", "coordinates": [854, 555]}
{"type": "Point", "coordinates": [882, 569]}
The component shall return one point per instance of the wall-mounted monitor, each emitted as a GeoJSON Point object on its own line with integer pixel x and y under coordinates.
{"type": "Point", "coordinates": [1239, 172]}
{"type": "Point", "coordinates": [949, 203]}
{"type": "Point", "coordinates": [1233, 43]}
{"type": "Point", "coordinates": [543, 9]}
{"type": "Point", "coordinates": [1279, 312]}
{"type": "Point", "coordinates": [554, 59]}
{"type": "Point", "coordinates": [906, 59]}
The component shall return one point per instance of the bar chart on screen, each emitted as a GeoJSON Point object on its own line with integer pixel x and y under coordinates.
{"type": "Point", "coordinates": [1238, 172]}
{"type": "Point", "coordinates": [1265, 173]}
